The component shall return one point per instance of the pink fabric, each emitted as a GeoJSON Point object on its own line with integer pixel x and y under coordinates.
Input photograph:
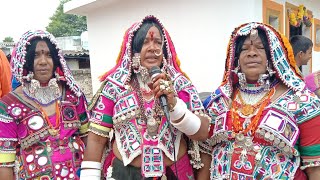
{"type": "Point", "coordinates": [184, 96]}
{"type": "Point", "coordinates": [310, 82]}
{"type": "Point", "coordinates": [63, 151]}
{"type": "Point", "coordinates": [184, 168]}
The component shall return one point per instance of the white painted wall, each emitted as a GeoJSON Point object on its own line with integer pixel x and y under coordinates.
{"type": "Point", "coordinates": [200, 30]}
{"type": "Point", "coordinates": [69, 43]}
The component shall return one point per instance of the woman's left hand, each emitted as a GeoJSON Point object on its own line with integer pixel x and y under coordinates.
{"type": "Point", "coordinates": [163, 86]}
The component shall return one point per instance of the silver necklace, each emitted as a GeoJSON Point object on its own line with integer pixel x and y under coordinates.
{"type": "Point", "coordinates": [153, 116]}
{"type": "Point", "coordinates": [43, 95]}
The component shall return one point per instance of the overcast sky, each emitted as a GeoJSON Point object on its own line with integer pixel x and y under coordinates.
{"type": "Point", "coordinates": [19, 16]}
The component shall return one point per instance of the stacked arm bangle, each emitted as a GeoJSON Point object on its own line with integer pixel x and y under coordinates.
{"type": "Point", "coordinates": [190, 124]}
{"type": "Point", "coordinates": [90, 170]}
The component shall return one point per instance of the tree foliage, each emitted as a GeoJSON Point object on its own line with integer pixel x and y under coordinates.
{"type": "Point", "coordinates": [62, 24]}
{"type": "Point", "coordinates": [8, 39]}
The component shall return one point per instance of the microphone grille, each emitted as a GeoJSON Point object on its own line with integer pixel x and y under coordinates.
{"type": "Point", "coordinates": [154, 70]}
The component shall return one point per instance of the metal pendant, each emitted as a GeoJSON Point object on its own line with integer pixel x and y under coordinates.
{"type": "Point", "coordinates": [53, 132]}
{"type": "Point", "coordinates": [152, 126]}
{"type": "Point", "coordinates": [239, 137]}
{"type": "Point", "coordinates": [247, 110]}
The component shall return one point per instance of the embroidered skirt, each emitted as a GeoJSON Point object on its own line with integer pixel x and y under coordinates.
{"type": "Point", "coordinates": [118, 171]}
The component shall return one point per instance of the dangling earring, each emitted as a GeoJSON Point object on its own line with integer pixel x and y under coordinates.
{"type": "Point", "coordinates": [241, 76]}
{"type": "Point", "coordinates": [136, 66]}
{"type": "Point", "coordinates": [29, 76]}
{"type": "Point", "coordinates": [57, 76]}
{"type": "Point", "coordinates": [237, 69]}
{"type": "Point", "coordinates": [144, 74]}
{"type": "Point", "coordinates": [242, 79]}
{"type": "Point", "coordinates": [164, 64]}
{"type": "Point", "coordinates": [262, 79]}
{"type": "Point", "coordinates": [270, 71]}
{"type": "Point", "coordinates": [54, 86]}
{"type": "Point", "coordinates": [34, 85]}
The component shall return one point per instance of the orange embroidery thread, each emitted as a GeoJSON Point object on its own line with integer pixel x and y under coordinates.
{"type": "Point", "coordinates": [53, 130]}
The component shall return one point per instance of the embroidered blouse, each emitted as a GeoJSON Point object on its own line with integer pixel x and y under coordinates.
{"type": "Point", "coordinates": [284, 137]}
{"type": "Point", "coordinates": [25, 137]}
{"type": "Point", "coordinates": [118, 108]}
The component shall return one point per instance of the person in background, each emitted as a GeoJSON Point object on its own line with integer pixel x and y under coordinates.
{"type": "Point", "coordinates": [5, 75]}
{"type": "Point", "coordinates": [126, 111]}
{"type": "Point", "coordinates": [44, 121]}
{"type": "Point", "coordinates": [265, 122]}
{"type": "Point", "coordinates": [302, 49]}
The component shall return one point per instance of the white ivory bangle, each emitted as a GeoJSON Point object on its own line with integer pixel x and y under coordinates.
{"type": "Point", "coordinates": [189, 125]}
{"type": "Point", "coordinates": [90, 165]}
{"type": "Point", "coordinates": [90, 174]}
{"type": "Point", "coordinates": [178, 110]}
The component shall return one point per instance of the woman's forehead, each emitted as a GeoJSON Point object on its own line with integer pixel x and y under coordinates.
{"type": "Point", "coordinates": [250, 40]}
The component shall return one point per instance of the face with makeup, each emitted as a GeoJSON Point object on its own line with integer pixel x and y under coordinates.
{"type": "Point", "coordinates": [253, 59]}
{"type": "Point", "coordinates": [43, 63]}
{"type": "Point", "coordinates": [151, 48]}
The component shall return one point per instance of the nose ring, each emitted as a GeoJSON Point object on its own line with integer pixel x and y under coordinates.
{"type": "Point", "coordinates": [157, 52]}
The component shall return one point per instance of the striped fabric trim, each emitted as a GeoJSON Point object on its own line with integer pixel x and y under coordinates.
{"type": "Point", "coordinates": [84, 128]}
{"type": "Point", "coordinates": [310, 150]}
{"type": "Point", "coordinates": [7, 157]}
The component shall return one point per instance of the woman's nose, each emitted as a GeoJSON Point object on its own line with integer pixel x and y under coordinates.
{"type": "Point", "coordinates": [42, 59]}
{"type": "Point", "coordinates": [252, 51]}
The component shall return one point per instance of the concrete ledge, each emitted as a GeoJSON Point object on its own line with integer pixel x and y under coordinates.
{"type": "Point", "coordinates": [83, 7]}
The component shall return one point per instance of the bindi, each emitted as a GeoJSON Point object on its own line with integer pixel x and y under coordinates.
{"type": "Point", "coordinates": [151, 33]}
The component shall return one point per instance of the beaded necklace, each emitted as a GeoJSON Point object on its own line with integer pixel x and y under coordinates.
{"type": "Point", "coordinates": [248, 109]}
{"type": "Point", "coordinates": [153, 120]}
{"type": "Point", "coordinates": [255, 88]}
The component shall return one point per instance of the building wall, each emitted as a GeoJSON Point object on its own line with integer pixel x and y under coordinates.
{"type": "Point", "coordinates": [83, 78]}
{"type": "Point", "coordinates": [69, 43]}
{"type": "Point", "coordinates": [200, 30]}
{"type": "Point", "coordinates": [73, 64]}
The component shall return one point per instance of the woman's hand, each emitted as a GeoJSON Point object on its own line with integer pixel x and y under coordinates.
{"type": "Point", "coordinates": [162, 85]}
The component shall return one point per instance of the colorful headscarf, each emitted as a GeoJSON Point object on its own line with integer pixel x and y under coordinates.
{"type": "Point", "coordinates": [121, 73]}
{"type": "Point", "coordinates": [282, 58]}
{"type": "Point", "coordinates": [19, 54]}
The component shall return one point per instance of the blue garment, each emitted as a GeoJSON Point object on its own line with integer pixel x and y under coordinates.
{"type": "Point", "coordinates": [14, 83]}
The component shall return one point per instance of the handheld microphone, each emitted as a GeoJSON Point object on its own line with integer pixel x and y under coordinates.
{"type": "Point", "coordinates": [154, 72]}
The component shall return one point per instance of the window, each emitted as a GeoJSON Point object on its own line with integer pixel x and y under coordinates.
{"type": "Point", "coordinates": [301, 29]}
{"type": "Point", "coordinates": [316, 40]}
{"type": "Point", "coordinates": [273, 14]}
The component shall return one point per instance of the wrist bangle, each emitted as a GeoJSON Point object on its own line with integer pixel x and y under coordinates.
{"type": "Point", "coordinates": [178, 110]}
{"type": "Point", "coordinates": [90, 174]}
{"type": "Point", "coordinates": [90, 165]}
{"type": "Point", "coordinates": [189, 125]}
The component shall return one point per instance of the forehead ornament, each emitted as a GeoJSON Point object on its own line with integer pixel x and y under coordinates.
{"type": "Point", "coordinates": [253, 35]}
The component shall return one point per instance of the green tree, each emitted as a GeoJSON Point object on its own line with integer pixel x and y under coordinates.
{"type": "Point", "coordinates": [62, 24]}
{"type": "Point", "coordinates": [8, 39]}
